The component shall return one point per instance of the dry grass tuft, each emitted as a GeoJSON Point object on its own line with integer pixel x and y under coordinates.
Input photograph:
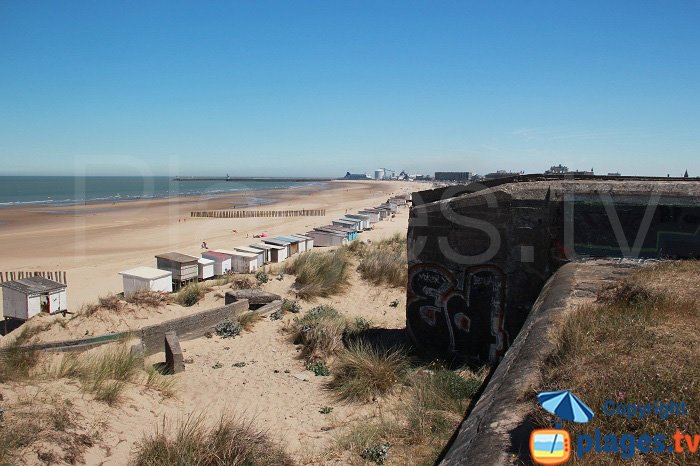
{"type": "Point", "coordinates": [103, 372]}
{"type": "Point", "coordinates": [230, 442]}
{"type": "Point", "coordinates": [249, 319]}
{"type": "Point", "coordinates": [148, 299]}
{"type": "Point", "coordinates": [320, 273]}
{"type": "Point", "coordinates": [363, 372]}
{"type": "Point", "coordinates": [166, 385]}
{"type": "Point", "coordinates": [16, 362]}
{"type": "Point", "coordinates": [385, 262]}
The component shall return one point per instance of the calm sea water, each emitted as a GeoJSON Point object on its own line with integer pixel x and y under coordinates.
{"type": "Point", "coordinates": [67, 190]}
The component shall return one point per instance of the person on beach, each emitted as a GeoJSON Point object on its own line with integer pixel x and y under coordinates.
{"type": "Point", "coordinates": [204, 245]}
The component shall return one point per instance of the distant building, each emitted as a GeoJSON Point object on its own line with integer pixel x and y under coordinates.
{"type": "Point", "coordinates": [562, 170]}
{"type": "Point", "coordinates": [686, 174]}
{"type": "Point", "coordinates": [356, 176]}
{"type": "Point", "coordinates": [557, 170]}
{"type": "Point", "coordinates": [615, 174]}
{"type": "Point", "coordinates": [499, 174]}
{"type": "Point", "coordinates": [419, 177]}
{"type": "Point", "coordinates": [378, 174]}
{"type": "Point", "coordinates": [453, 176]}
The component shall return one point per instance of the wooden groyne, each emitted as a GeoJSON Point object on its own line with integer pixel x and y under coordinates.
{"type": "Point", "coordinates": [57, 276]}
{"type": "Point", "coordinates": [258, 213]}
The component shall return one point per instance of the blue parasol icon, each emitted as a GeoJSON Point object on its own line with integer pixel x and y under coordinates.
{"type": "Point", "coordinates": [566, 405]}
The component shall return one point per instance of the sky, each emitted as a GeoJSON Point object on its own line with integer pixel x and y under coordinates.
{"type": "Point", "coordinates": [318, 88]}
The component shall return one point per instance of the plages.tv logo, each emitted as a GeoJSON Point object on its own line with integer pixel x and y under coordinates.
{"type": "Point", "coordinates": [553, 446]}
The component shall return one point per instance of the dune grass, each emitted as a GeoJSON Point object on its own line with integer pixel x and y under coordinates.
{"type": "Point", "coordinates": [16, 362]}
{"type": "Point", "coordinates": [362, 372]}
{"type": "Point", "coordinates": [639, 343]}
{"type": "Point", "coordinates": [191, 294]}
{"type": "Point", "coordinates": [384, 262]}
{"type": "Point", "coordinates": [432, 404]}
{"type": "Point", "coordinates": [103, 372]}
{"type": "Point", "coordinates": [247, 320]}
{"type": "Point", "coordinates": [320, 332]}
{"type": "Point", "coordinates": [320, 273]}
{"type": "Point", "coordinates": [230, 442]}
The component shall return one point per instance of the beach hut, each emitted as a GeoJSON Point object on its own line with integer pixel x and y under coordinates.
{"type": "Point", "coordinates": [393, 208]}
{"type": "Point", "coordinates": [148, 279]}
{"type": "Point", "coordinates": [373, 215]}
{"type": "Point", "coordinates": [289, 245]}
{"type": "Point", "coordinates": [222, 262]}
{"type": "Point", "coordinates": [362, 224]}
{"type": "Point", "coordinates": [265, 249]}
{"type": "Point", "coordinates": [350, 234]}
{"type": "Point", "coordinates": [206, 268]}
{"type": "Point", "coordinates": [307, 239]}
{"type": "Point", "coordinates": [384, 212]}
{"type": "Point", "coordinates": [276, 253]}
{"type": "Point", "coordinates": [258, 253]}
{"type": "Point", "coordinates": [366, 224]}
{"type": "Point", "coordinates": [296, 245]}
{"type": "Point", "coordinates": [27, 297]}
{"type": "Point", "coordinates": [347, 224]}
{"type": "Point", "coordinates": [324, 238]}
{"type": "Point", "coordinates": [183, 267]}
{"type": "Point", "coordinates": [278, 242]}
{"type": "Point", "coordinates": [241, 262]}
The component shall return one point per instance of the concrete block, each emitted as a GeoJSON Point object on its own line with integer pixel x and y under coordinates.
{"type": "Point", "coordinates": [174, 360]}
{"type": "Point", "coordinates": [254, 297]}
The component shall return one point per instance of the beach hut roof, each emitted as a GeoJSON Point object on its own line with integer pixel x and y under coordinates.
{"type": "Point", "coordinates": [278, 241]}
{"type": "Point", "coordinates": [247, 249]}
{"type": "Point", "coordinates": [328, 231]}
{"type": "Point", "coordinates": [205, 261]}
{"type": "Point", "coordinates": [177, 257]}
{"type": "Point", "coordinates": [236, 253]}
{"type": "Point", "coordinates": [148, 273]}
{"type": "Point", "coordinates": [304, 237]}
{"type": "Point", "coordinates": [289, 238]}
{"type": "Point", "coordinates": [33, 285]}
{"type": "Point", "coordinates": [345, 222]}
{"type": "Point", "coordinates": [266, 246]}
{"type": "Point", "coordinates": [337, 228]}
{"type": "Point", "coordinates": [218, 255]}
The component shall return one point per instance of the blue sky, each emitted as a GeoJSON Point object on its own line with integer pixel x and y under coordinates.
{"type": "Point", "coordinates": [318, 88]}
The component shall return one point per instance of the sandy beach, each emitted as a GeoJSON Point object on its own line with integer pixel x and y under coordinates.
{"type": "Point", "coordinates": [94, 242]}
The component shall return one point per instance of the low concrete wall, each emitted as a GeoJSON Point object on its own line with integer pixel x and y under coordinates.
{"type": "Point", "coordinates": [152, 337]}
{"type": "Point", "coordinates": [189, 327]}
{"type": "Point", "coordinates": [496, 431]}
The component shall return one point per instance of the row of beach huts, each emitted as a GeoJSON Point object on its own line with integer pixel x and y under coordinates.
{"type": "Point", "coordinates": [27, 297]}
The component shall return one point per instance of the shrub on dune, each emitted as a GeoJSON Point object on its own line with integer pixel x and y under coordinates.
{"type": "Point", "coordinates": [320, 273]}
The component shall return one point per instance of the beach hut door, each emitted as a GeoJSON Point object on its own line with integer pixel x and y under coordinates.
{"type": "Point", "coordinates": [44, 303]}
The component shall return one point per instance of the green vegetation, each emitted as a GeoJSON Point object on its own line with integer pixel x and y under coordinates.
{"type": "Point", "coordinates": [191, 294]}
{"type": "Point", "coordinates": [320, 273]}
{"type": "Point", "coordinates": [362, 372]}
{"type": "Point", "coordinates": [261, 277]}
{"type": "Point", "coordinates": [640, 342]}
{"type": "Point", "coordinates": [229, 442]}
{"type": "Point", "coordinates": [319, 368]}
{"type": "Point", "coordinates": [228, 329]}
{"type": "Point", "coordinates": [289, 305]}
{"type": "Point", "coordinates": [320, 332]}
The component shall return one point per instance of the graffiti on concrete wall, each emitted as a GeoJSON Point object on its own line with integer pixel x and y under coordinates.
{"type": "Point", "coordinates": [460, 313]}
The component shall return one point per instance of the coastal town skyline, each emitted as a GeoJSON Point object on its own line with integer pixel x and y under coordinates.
{"type": "Point", "coordinates": [304, 90]}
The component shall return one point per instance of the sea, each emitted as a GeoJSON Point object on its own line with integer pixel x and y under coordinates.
{"type": "Point", "coordinates": [68, 190]}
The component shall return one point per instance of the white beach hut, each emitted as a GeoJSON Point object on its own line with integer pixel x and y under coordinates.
{"type": "Point", "coordinates": [308, 241]}
{"type": "Point", "coordinates": [222, 262]}
{"type": "Point", "coordinates": [373, 215]}
{"type": "Point", "coordinates": [363, 220]}
{"type": "Point", "coordinates": [277, 253]}
{"type": "Point", "coordinates": [206, 268]}
{"type": "Point", "coordinates": [277, 242]}
{"type": "Point", "coordinates": [146, 278]}
{"type": "Point", "coordinates": [258, 253]}
{"type": "Point", "coordinates": [241, 262]}
{"type": "Point", "coordinates": [324, 238]}
{"type": "Point", "coordinates": [27, 297]}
